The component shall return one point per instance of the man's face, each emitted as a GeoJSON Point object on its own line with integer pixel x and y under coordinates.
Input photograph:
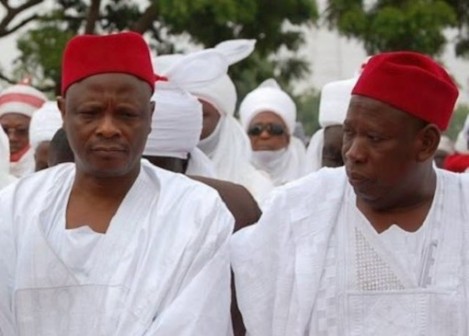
{"type": "Point", "coordinates": [379, 149]}
{"type": "Point", "coordinates": [268, 132]}
{"type": "Point", "coordinates": [211, 117]}
{"type": "Point", "coordinates": [332, 149]}
{"type": "Point", "coordinates": [16, 127]}
{"type": "Point", "coordinates": [107, 119]}
{"type": "Point", "coordinates": [41, 155]}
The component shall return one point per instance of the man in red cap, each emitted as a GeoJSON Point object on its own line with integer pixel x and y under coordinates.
{"type": "Point", "coordinates": [112, 245]}
{"type": "Point", "coordinates": [380, 246]}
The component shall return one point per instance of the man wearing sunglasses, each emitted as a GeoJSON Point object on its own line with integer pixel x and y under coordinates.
{"type": "Point", "coordinates": [268, 115]}
{"type": "Point", "coordinates": [380, 246]}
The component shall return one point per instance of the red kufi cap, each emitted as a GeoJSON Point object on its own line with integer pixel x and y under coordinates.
{"type": "Point", "coordinates": [410, 82]}
{"type": "Point", "coordinates": [88, 55]}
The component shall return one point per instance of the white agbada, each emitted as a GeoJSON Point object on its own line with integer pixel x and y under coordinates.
{"type": "Point", "coordinates": [228, 146]}
{"type": "Point", "coordinates": [5, 177]}
{"type": "Point", "coordinates": [283, 165]}
{"type": "Point", "coordinates": [333, 106]}
{"type": "Point", "coordinates": [177, 119]}
{"type": "Point", "coordinates": [162, 268]}
{"type": "Point", "coordinates": [313, 265]}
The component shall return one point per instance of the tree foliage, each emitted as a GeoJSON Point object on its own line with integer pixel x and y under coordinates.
{"type": "Point", "coordinates": [166, 22]}
{"type": "Point", "coordinates": [388, 25]}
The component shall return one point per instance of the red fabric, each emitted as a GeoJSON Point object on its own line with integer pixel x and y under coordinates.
{"type": "Point", "coordinates": [411, 82]}
{"type": "Point", "coordinates": [21, 98]}
{"type": "Point", "coordinates": [88, 55]}
{"type": "Point", "coordinates": [457, 163]}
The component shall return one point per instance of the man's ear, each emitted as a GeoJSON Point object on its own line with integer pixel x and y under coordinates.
{"type": "Point", "coordinates": [428, 139]}
{"type": "Point", "coordinates": [61, 106]}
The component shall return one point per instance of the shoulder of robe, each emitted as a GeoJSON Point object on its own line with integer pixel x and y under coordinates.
{"type": "Point", "coordinates": [312, 190]}
{"type": "Point", "coordinates": [31, 190]}
{"type": "Point", "coordinates": [238, 200]}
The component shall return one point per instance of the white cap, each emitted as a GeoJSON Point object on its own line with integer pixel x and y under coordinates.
{"type": "Point", "coordinates": [334, 102]}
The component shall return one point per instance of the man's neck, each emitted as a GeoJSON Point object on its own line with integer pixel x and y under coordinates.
{"type": "Point", "coordinates": [407, 210]}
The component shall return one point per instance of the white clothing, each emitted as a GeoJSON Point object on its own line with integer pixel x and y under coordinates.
{"type": "Point", "coordinates": [177, 119]}
{"type": "Point", "coordinates": [25, 165]}
{"type": "Point", "coordinates": [333, 107]}
{"type": "Point", "coordinates": [230, 151]}
{"type": "Point", "coordinates": [284, 165]}
{"type": "Point", "coordinates": [162, 267]}
{"type": "Point", "coordinates": [5, 177]}
{"type": "Point", "coordinates": [200, 165]}
{"type": "Point", "coordinates": [314, 266]}
{"type": "Point", "coordinates": [313, 160]}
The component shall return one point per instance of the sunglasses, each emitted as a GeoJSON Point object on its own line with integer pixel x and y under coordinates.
{"type": "Point", "coordinates": [272, 129]}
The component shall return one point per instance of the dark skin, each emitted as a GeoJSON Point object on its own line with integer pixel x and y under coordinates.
{"type": "Point", "coordinates": [388, 158]}
{"type": "Point", "coordinates": [211, 117]}
{"type": "Point", "coordinates": [16, 127]}
{"type": "Point", "coordinates": [107, 119]}
{"type": "Point", "coordinates": [41, 155]}
{"type": "Point", "coordinates": [266, 141]}
{"type": "Point", "coordinates": [332, 149]}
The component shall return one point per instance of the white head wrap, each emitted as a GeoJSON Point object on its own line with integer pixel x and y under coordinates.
{"type": "Point", "coordinates": [228, 146]}
{"type": "Point", "coordinates": [22, 99]}
{"type": "Point", "coordinates": [44, 123]}
{"type": "Point", "coordinates": [461, 144]}
{"type": "Point", "coordinates": [177, 119]}
{"type": "Point", "coordinates": [333, 106]}
{"type": "Point", "coordinates": [268, 97]}
{"type": "Point", "coordinates": [287, 164]}
{"type": "Point", "coordinates": [222, 92]}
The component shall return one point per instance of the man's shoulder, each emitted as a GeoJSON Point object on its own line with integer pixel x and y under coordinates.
{"type": "Point", "coordinates": [171, 183]}
{"type": "Point", "coordinates": [321, 185]}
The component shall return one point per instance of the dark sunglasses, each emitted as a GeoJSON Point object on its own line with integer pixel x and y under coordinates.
{"type": "Point", "coordinates": [272, 129]}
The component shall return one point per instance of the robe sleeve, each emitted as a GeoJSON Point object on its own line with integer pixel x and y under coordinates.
{"type": "Point", "coordinates": [202, 305]}
{"type": "Point", "coordinates": [7, 263]}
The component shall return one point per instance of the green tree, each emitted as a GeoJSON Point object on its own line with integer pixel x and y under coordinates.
{"type": "Point", "coordinates": [388, 25]}
{"type": "Point", "coordinates": [202, 22]}
{"type": "Point", "coordinates": [461, 8]}
{"type": "Point", "coordinates": [457, 121]}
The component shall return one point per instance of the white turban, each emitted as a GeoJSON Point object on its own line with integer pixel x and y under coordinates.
{"type": "Point", "coordinates": [44, 123]}
{"type": "Point", "coordinates": [22, 99]}
{"type": "Point", "coordinates": [334, 102]}
{"type": "Point", "coordinates": [333, 106]}
{"type": "Point", "coordinates": [222, 93]}
{"type": "Point", "coordinates": [177, 119]}
{"type": "Point", "coordinates": [268, 97]}
{"type": "Point", "coordinates": [461, 144]}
